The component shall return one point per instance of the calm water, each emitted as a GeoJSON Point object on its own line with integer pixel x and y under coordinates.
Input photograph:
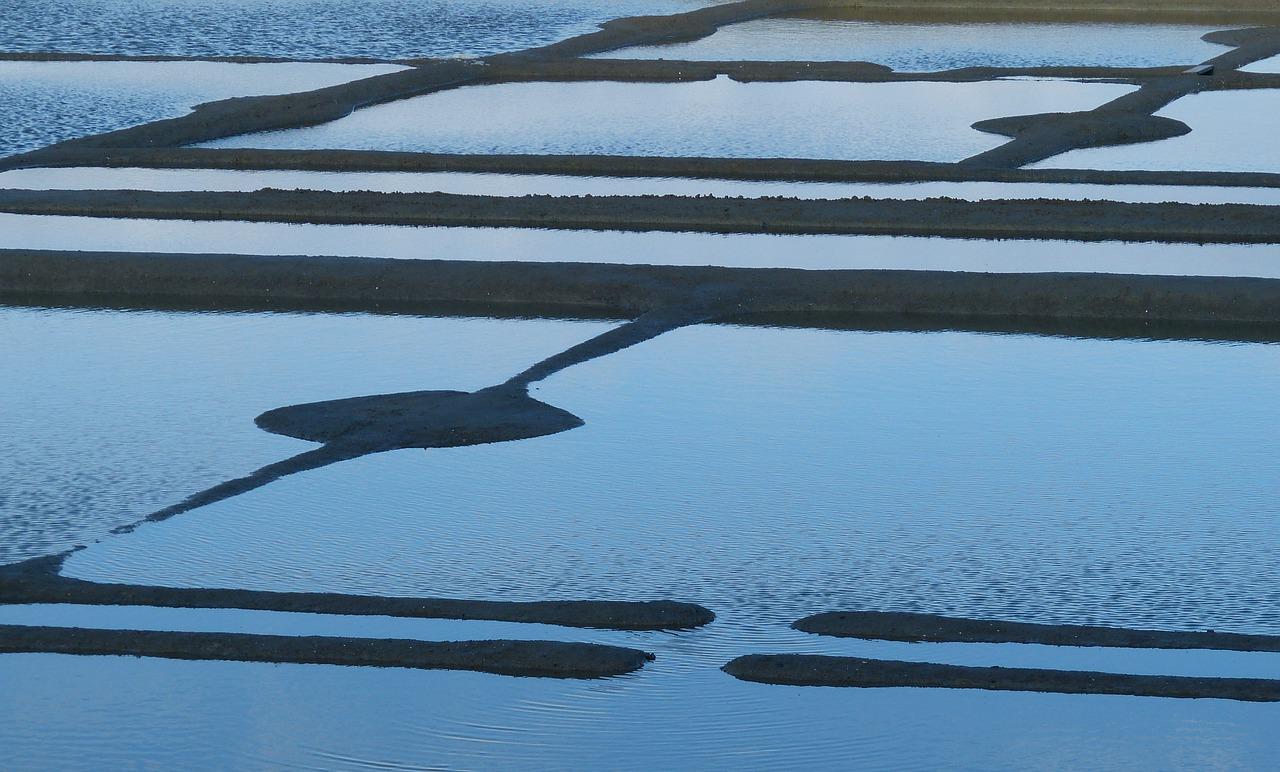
{"type": "Point", "coordinates": [46, 102]}
{"type": "Point", "coordinates": [750, 250]}
{"type": "Point", "coordinates": [767, 474]}
{"type": "Point", "coordinates": [1271, 65]}
{"type": "Point", "coordinates": [721, 117]}
{"type": "Point", "coordinates": [1230, 131]}
{"type": "Point", "coordinates": [94, 178]}
{"type": "Point", "coordinates": [106, 413]}
{"type": "Point", "coordinates": [944, 46]}
{"type": "Point", "coordinates": [389, 29]}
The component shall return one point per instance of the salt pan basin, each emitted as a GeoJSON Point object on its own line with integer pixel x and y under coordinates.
{"type": "Point", "coordinates": [720, 117]}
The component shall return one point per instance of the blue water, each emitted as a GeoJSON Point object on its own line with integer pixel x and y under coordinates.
{"type": "Point", "coordinates": [767, 473]}
{"type": "Point", "coordinates": [307, 29]}
{"type": "Point", "coordinates": [46, 102]}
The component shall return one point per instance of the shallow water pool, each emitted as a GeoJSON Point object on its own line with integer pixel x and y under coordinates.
{"type": "Point", "coordinates": [720, 118]}
{"type": "Point", "coordinates": [927, 47]}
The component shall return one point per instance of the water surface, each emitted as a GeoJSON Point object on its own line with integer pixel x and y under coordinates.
{"type": "Point", "coordinates": [925, 47]}
{"type": "Point", "coordinates": [390, 29]}
{"type": "Point", "coordinates": [768, 474]}
{"type": "Point", "coordinates": [489, 184]}
{"type": "Point", "coordinates": [720, 117]}
{"type": "Point", "coordinates": [46, 102]}
{"type": "Point", "coordinates": [743, 250]}
{"type": "Point", "coordinates": [103, 414]}
{"type": "Point", "coordinates": [1233, 131]}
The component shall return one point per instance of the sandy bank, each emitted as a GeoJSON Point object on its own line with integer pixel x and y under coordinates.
{"type": "Point", "coordinates": [935, 629]}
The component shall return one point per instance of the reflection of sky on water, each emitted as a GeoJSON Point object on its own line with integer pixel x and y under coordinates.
{"type": "Point", "coordinates": [718, 118]}
{"type": "Point", "coordinates": [935, 46]}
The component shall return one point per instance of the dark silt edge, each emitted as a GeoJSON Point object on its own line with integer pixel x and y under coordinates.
{"type": "Point", "coordinates": [546, 659]}
{"type": "Point", "coordinates": [818, 670]}
{"type": "Point", "coordinates": [930, 628]}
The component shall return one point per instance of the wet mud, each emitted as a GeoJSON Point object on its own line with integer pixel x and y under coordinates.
{"type": "Point", "coordinates": [930, 628]}
{"type": "Point", "coordinates": [39, 581]}
{"type": "Point", "coordinates": [817, 670]}
{"type": "Point", "coordinates": [767, 169]}
{"type": "Point", "coordinates": [1005, 219]}
{"type": "Point", "coordinates": [630, 290]}
{"type": "Point", "coordinates": [544, 659]}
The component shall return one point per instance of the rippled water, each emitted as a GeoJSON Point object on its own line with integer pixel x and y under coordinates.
{"type": "Point", "coordinates": [1233, 131]}
{"type": "Point", "coordinates": [95, 178]}
{"type": "Point", "coordinates": [46, 102]}
{"type": "Point", "coordinates": [915, 47]}
{"type": "Point", "coordinates": [103, 413]}
{"type": "Point", "coordinates": [749, 250]}
{"type": "Point", "coordinates": [768, 474]}
{"type": "Point", "coordinates": [390, 29]}
{"type": "Point", "coordinates": [721, 117]}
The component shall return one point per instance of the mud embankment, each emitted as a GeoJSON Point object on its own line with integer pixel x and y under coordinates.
{"type": "Point", "coordinates": [765, 169]}
{"type": "Point", "coordinates": [545, 659]}
{"type": "Point", "coordinates": [817, 670]}
{"type": "Point", "coordinates": [929, 628]}
{"type": "Point", "coordinates": [943, 217]}
{"type": "Point", "coordinates": [38, 581]}
{"type": "Point", "coordinates": [630, 290]}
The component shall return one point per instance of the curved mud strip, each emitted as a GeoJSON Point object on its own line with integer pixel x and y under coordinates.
{"type": "Point", "coordinates": [38, 581]}
{"type": "Point", "coordinates": [953, 218]}
{"type": "Point", "coordinates": [766, 169]}
{"type": "Point", "coordinates": [1121, 121]}
{"type": "Point", "coordinates": [543, 659]}
{"type": "Point", "coordinates": [921, 628]}
{"type": "Point", "coordinates": [817, 670]}
{"type": "Point", "coordinates": [360, 426]}
{"type": "Point", "coordinates": [370, 284]}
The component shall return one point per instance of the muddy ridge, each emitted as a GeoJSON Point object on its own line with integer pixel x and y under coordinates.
{"type": "Point", "coordinates": [930, 628]}
{"type": "Point", "coordinates": [818, 670]}
{"type": "Point", "coordinates": [630, 290]}
{"type": "Point", "coordinates": [38, 581]}
{"type": "Point", "coordinates": [545, 659]}
{"type": "Point", "coordinates": [1006, 219]}
{"type": "Point", "coordinates": [765, 169]}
